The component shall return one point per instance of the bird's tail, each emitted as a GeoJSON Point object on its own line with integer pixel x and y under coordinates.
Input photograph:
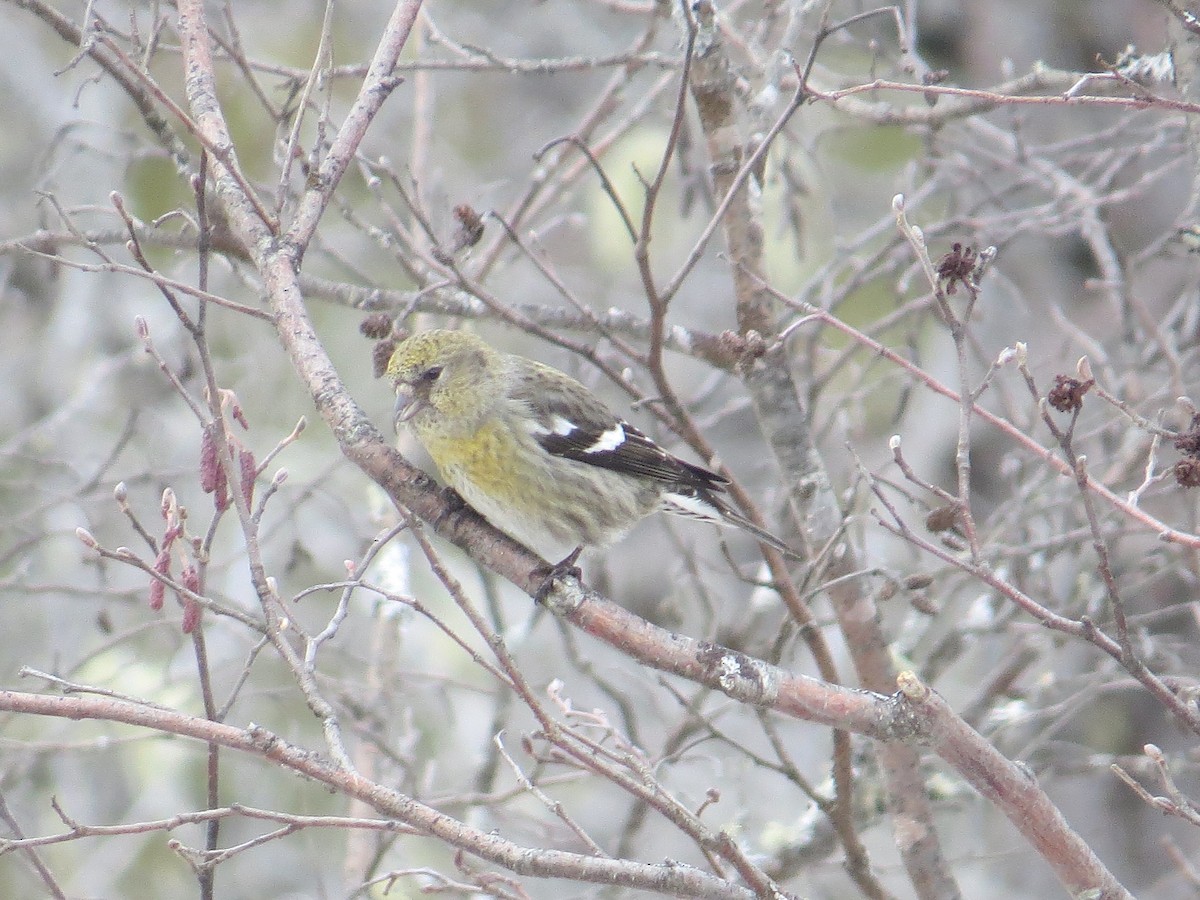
{"type": "Point", "coordinates": [705, 504]}
{"type": "Point", "coordinates": [761, 534]}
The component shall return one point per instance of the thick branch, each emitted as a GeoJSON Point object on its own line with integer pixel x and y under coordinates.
{"type": "Point", "coordinates": [669, 878]}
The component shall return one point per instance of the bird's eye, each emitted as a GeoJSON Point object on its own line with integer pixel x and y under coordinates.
{"type": "Point", "coordinates": [431, 374]}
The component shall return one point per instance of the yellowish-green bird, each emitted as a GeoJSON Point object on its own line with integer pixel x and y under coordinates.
{"type": "Point", "coordinates": [539, 455]}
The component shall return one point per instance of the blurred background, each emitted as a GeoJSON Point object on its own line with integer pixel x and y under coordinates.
{"type": "Point", "coordinates": [1082, 202]}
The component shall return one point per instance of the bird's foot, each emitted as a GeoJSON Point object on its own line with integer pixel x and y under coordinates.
{"type": "Point", "coordinates": [454, 503]}
{"type": "Point", "coordinates": [549, 574]}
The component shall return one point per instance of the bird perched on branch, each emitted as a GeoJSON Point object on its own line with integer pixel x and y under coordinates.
{"type": "Point", "coordinates": [538, 454]}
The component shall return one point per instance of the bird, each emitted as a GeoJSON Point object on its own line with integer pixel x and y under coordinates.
{"type": "Point", "coordinates": [539, 455]}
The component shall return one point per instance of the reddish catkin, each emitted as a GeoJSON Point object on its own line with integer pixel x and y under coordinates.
{"type": "Point", "coordinates": [249, 469]}
{"type": "Point", "coordinates": [221, 490]}
{"type": "Point", "coordinates": [191, 616]}
{"type": "Point", "coordinates": [170, 535]}
{"type": "Point", "coordinates": [190, 579]}
{"type": "Point", "coordinates": [376, 326]}
{"type": "Point", "coordinates": [210, 467]}
{"type": "Point", "coordinates": [380, 354]}
{"type": "Point", "coordinates": [239, 415]}
{"type": "Point", "coordinates": [158, 590]}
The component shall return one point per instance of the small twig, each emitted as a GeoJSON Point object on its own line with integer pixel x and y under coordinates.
{"type": "Point", "coordinates": [1176, 803]}
{"type": "Point", "coordinates": [554, 806]}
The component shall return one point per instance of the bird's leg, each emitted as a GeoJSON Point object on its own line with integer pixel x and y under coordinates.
{"type": "Point", "coordinates": [454, 504]}
{"type": "Point", "coordinates": [561, 569]}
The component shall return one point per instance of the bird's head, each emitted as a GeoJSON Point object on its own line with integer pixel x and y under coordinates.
{"type": "Point", "coordinates": [441, 375]}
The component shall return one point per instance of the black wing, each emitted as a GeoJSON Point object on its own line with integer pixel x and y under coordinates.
{"type": "Point", "coordinates": [568, 421]}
